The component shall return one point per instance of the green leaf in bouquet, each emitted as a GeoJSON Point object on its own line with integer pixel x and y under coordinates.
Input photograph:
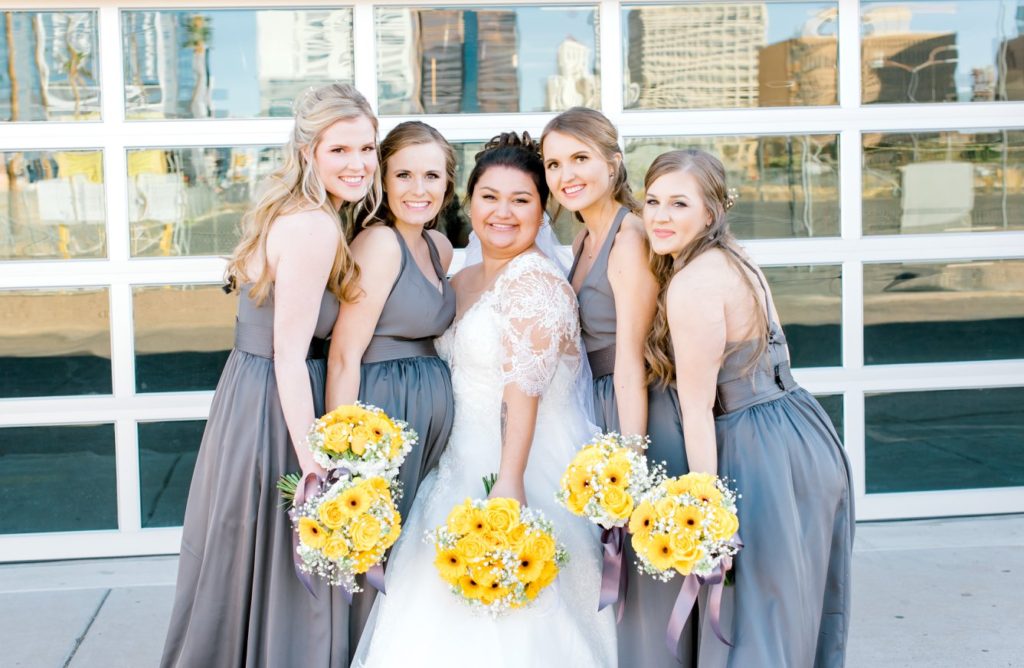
{"type": "Point", "coordinates": [489, 481]}
{"type": "Point", "coordinates": [287, 484]}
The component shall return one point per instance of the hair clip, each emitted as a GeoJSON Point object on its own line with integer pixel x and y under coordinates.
{"type": "Point", "coordinates": [731, 195]}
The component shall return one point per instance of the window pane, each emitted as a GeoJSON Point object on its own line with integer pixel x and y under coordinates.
{"type": "Point", "coordinates": [943, 312]}
{"type": "Point", "coordinates": [730, 54]}
{"type": "Point", "coordinates": [942, 51]}
{"type": "Point", "coordinates": [48, 66]}
{"type": "Point", "coordinates": [52, 205]}
{"type": "Point", "coordinates": [230, 63]}
{"type": "Point", "coordinates": [945, 181]}
{"type": "Point", "coordinates": [788, 185]}
{"type": "Point", "coordinates": [167, 456]}
{"type": "Point", "coordinates": [833, 405]}
{"type": "Point", "coordinates": [183, 334]}
{"type": "Point", "coordinates": [486, 60]}
{"type": "Point", "coordinates": [57, 478]}
{"type": "Point", "coordinates": [54, 342]}
{"type": "Point", "coordinates": [954, 439]}
{"type": "Point", "coordinates": [809, 301]}
{"type": "Point", "coordinates": [190, 201]}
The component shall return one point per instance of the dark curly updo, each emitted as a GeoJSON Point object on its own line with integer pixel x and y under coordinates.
{"type": "Point", "coordinates": [516, 152]}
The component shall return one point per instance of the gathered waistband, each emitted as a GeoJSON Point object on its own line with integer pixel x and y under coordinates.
{"type": "Point", "coordinates": [602, 362]}
{"type": "Point", "coordinates": [259, 340]}
{"type": "Point", "coordinates": [385, 348]}
{"type": "Point", "coordinates": [758, 387]}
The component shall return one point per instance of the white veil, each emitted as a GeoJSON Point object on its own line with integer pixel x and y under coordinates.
{"type": "Point", "coordinates": [561, 255]}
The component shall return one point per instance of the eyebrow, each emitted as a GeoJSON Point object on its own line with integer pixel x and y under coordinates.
{"type": "Point", "coordinates": [517, 192]}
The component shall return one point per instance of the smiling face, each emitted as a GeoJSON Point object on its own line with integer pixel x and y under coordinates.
{"type": "Point", "coordinates": [674, 212]}
{"type": "Point", "coordinates": [346, 158]}
{"type": "Point", "coordinates": [415, 183]}
{"type": "Point", "coordinates": [506, 212]}
{"type": "Point", "coordinates": [576, 172]}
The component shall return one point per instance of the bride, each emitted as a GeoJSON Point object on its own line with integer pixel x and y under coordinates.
{"type": "Point", "coordinates": [514, 353]}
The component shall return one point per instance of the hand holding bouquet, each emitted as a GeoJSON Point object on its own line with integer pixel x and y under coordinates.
{"type": "Point", "coordinates": [495, 554]}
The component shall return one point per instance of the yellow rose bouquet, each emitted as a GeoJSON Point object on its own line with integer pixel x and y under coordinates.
{"type": "Point", "coordinates": [345, 530]}
{"type": "Point", "coordinates": [606, 478]}
{"type": "Point", "coordinates": [687, 525]}
{"type": "Point", "coordinates": [361, 439]}
{"type": "Point", "coordinates": [496, 555]}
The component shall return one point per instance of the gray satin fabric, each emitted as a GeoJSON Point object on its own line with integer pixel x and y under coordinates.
{"type": "Point", "coordinates": [238, 601]}
{"type": "Point", "coordinates": [791, 602]}
{"type": "Point", "coordinates": [648, 602]}
{"type": "Point", "coordinates": [402, 374]}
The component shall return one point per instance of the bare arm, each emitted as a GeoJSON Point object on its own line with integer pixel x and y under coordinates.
{"type": "Point", "coordinates": [636, 293]}
{"type": "Point", "coordinates": [300, 248]}
{"type": "Point", "coordinates": [518, 422]}
{"type": "Point", "coordinates": [379, 257]}
{"type": "Point", "coordinates": [696, 318]}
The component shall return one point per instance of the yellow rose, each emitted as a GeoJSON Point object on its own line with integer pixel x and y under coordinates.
{"type": "Point", "coordinates": [332, 514]}
{"type": "Point", "coordinates": [547, 575]}
{"type": "Point", "coordinates": [641, 541]}
{"type": "Point", "coordinates": [472, 546]}
{"type": "Point", "coordinates": [497, 540]}
{"type": "Point", "coordinates": [577, 504]}
{"type": "Point", "coordinates": [542, 543]}
{"type": "Point", "coordinates": [365, 532]}
{"type": "Point", "coordinates": [642, 520]}
{"type": "Point", "coordinates": [336, 438]}
{"type": "Point", "coordinates": [395, 531]}
{"type": "Point", "coordinates": [335, 548]}
{"type": "Point", "coordinates": [660, 552]}
{"type": "Point", "coordinates": [363, 561]}
{"type": "Point", "coordinates": [354, 500]}
{"type": "Point", "coordinates": [350, 414]}
{"type": "Point", "coordinates": [588, 456]}
{"type": "Point", "coordinates": [458, 518]}
{"type": "Point", "coordinates": [723, 524]}
{"type": "Point", "coordinates": [688, 552]}
{"type": "Point", "coordinates": [311, 534]}
{"type": "Point", "coordinates": [395, 441]}
{"type": "Point", "coordinates": [450, 565]}
{"type": "Point", "coordinates": [360, 439]}
{"type": "Point", "coordinates": [616, 502]}
{"type": "Point", "coordinates": [516, 536]}
{"type": "Point", "coordinates": [502, 514]}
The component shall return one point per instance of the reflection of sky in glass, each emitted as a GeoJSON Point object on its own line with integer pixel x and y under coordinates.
{"type": "Point", "coordinates": [541, 31]}
{"type": "Point", "coordinates": [980, 26]}
{"type": "Point", "coordinates": [234, 62]}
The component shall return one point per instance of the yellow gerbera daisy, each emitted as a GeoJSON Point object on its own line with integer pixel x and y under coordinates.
{"type": "Point", "coordinates": [688, 518]}
{"type": "Point", "coordinates": [660, 552]}
{"type": "Point", "coordinates": [355, 500]}
{"type": "Point", "coordinates": [642, 520]}
{"type": "Point", "coordinates": [531, 565]}
{"type": "Point", "coordinates": [311, 534]}
{"type": "Point", "coordinates": [450, 565]}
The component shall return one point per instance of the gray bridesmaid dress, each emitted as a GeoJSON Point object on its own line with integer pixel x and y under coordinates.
{"type": "Point", "coordinates": [238, 601]}
{"type": "Point", "coordinates": [648, 602]}
{"type": "Point", "coordinates": [402, 374]}
{"type": "Point", "coordinates": [791, 602]}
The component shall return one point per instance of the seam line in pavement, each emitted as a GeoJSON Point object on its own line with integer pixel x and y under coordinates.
{"type": "Point", "coordinates": [85, 632]}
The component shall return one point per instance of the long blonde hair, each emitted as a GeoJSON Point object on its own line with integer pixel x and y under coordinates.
{"type": "Point", "coordinates": [709, 173]}
{"type": "Point", "coordinates": [595, 130]}
{"type": "Point", "coordinates": [296, 186]}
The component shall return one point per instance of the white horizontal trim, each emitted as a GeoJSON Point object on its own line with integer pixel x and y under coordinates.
{"type": "Point", "coordinates": [71, 273]}
{"type": "Point", "coordinates": [104, 409]}
{"type": "Point", "coordinates": [88, 544]}
{"type": "Point", "coordinates": [942, 503]}
{"type": "Point", "coordinates": [913, 377]}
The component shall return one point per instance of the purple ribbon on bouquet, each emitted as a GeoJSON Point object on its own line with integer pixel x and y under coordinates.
{"type": "Point", "coordinates": [688, 597]}
{"type": "Point", "coordinates": [300, 498]}
{"type": "Point", "coordinates": [614, 581]}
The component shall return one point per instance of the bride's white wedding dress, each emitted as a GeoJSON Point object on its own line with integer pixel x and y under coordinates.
{"type": "Point", "coordinates": [524, 330]}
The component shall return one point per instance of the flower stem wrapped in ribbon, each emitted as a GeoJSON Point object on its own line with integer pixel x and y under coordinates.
{"type": "Point", "coordinates": [344, 530]}
{"type": "Point", "coordinates": [603, 482]}
{"type": "Point", "coordinates": [496, 555]}
{"type": "Point", "coordinates": [687, 525]}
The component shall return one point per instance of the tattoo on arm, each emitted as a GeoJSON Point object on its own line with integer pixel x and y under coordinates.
{"type": "Point", "coordinates": [504, 422]}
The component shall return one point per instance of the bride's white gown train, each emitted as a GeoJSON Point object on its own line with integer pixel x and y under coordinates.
{"type": "Point", "coordinates": [524, 330]}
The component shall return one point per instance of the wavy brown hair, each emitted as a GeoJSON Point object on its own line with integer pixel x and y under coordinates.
{"type": "Point", "coordinates": [413, 133]}
{"type": "Point", "coordinates": [709, 173]}
{"type": "Point", "coordinates": [595, 130]}
{"type": "Point", "coordinates": [296, 186]}
{"type": "Point", "coordinates": [516, 152]}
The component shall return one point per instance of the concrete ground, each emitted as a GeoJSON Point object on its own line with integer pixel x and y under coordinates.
{"type": "Point", "coordinates": [926, 593]}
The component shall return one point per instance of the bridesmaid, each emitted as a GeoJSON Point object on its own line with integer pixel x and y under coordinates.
{"type": "Point", "coordinates": [746, 418]}
{"type": "Point", "coordinates": [238, 601]}
{"type": "Point", "coordinates": [617, 295]}
{"type": "Point", "coordinates": [384, 341]}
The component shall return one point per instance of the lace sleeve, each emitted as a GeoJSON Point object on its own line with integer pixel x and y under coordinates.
{"type": "Point", "coordinates": [539, 323]}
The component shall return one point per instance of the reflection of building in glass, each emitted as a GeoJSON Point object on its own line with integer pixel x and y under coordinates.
{"type": "Point", "coordinates": [300, 48]}
{"type": "Point", "coordinates": [48, 67]}
{"type": "Point", "coordinates": [447, 61]}
{"type": "Point", "coordinates": [696, 55]}
{"type": "Point", "coordinates": [1010, 61]}
{"type": "Point", "coordinates": [151, 64]}
{"type": "Point", "coordinates": [903, 66]}
{"type": "Point", "coordinates": [801, 71]}
{"type": "Point", "coordinates": [574, 85]}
